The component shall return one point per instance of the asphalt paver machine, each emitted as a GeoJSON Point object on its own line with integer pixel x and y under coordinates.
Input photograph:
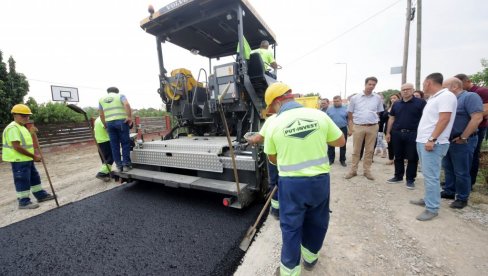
{"type": "Point", "coordinates": [205, 149]}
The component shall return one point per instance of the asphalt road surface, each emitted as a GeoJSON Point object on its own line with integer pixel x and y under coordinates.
{"type": "Point", "coordinates": [143, 229]}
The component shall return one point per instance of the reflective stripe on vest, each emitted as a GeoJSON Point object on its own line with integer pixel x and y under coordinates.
{"type": "Point", "coordinates": [304, 165]}
{"type": "Point", "coordinates": [113, 107]}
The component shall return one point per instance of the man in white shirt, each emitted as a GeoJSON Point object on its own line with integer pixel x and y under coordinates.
{"type": "Point", "coordinates": [433, 141]}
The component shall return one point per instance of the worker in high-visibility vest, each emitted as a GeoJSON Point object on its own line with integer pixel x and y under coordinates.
{"type": "Point", "coordinates": [18, 149]}
{"type": "Point", "coordinates": [116, 116]}
{"type": "Point", "coordinates": [101, 136]}
{"type": "Point", "coordinates": [296, 142]}
{"type": "Point", "coordinates": [258, 138]}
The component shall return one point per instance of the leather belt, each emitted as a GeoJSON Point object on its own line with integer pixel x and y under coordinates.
{"type": "Point", "coordinates": [365, 124]}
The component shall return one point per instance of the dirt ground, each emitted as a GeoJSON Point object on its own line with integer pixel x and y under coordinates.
{"type": "Point", "coordinates": [373, 230]}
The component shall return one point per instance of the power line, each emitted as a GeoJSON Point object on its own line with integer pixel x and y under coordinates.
{"type": "Point", "coordinates": [64, 84]}
{"type": "Point", "coordinates": [344, 33]}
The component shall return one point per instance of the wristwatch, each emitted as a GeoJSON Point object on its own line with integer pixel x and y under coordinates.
{"type": "Point", "coordinates": [432, 139]}
{"type": "Point", "coordinates": [465, 140]}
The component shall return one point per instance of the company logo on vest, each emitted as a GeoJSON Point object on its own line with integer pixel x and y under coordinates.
{"type": "Point", "coordinates": [301, 128]}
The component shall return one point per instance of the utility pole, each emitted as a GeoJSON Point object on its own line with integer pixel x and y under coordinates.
{"type": "Point", "coordinates": [408, 18]}
{"type": "Point", "coordinates": [419, 45]}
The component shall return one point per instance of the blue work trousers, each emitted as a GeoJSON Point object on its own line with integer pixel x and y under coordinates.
{"type": "Point", "coordinates": [304, 218]}
{"type": "Point", "coordinates": [456, 164]}
{"type": "Point", "coordinates": [431, 168]}
{"type": "Point", "coordinates": [118, 131]}
{"type": "Point", "coordinates": [26, 177]}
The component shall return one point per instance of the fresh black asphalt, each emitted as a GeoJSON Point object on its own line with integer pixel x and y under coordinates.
{"type": "Point", "coordinates": [143, 229]}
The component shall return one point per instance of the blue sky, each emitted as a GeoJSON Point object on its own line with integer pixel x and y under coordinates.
{"type": "Point", "coordinates": [96, 44]}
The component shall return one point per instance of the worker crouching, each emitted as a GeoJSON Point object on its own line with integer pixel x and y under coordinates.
{"type": "Point", "coordinates": [18, 149]}
{"type": "Point", "coordinates": [296, 142]}
{"type": "Point", "coordinates": [103, 141]}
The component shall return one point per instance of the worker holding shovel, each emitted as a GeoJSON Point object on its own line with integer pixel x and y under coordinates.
{"type": "Point", "coordinates": [18, 149]}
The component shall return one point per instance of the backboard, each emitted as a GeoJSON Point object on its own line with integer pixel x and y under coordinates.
{"type": "Point", "coordinates": [64, 94]}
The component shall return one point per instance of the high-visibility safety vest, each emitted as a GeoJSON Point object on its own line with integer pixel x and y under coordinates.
{"type": "Point", "coordinates": [299, 138]}
{"type": "Point", "coordinates": [101, 135]}
{"type": "Point", "coordinates": [16, 132]}
{"type": "Point", "coordinates": [266, 56]}
{"type": "Point", "coordinates": [113, 108]}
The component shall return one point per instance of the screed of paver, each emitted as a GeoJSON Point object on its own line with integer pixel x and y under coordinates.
{"type": "Point", "coordinates": [143, 229]}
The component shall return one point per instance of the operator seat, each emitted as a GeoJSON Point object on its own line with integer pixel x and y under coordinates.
{"type": "Point", "coordinates": [255, 69]}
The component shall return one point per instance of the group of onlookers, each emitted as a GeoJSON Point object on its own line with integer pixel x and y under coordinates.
{"type": "Point", "coordinates": [442, 126]}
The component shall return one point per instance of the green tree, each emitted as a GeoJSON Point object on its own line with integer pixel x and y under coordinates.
{"type": "Point", "coordinates": [13, 88]}
{"type": "Point", "coordinates": [387, 94]}
{"type": "Point", "coordinates": [481, 78]}
{"type": "Point", "coordinates": [55, 112]}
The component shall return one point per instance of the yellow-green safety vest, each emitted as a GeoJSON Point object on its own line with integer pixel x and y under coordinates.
{"type": "Point", "coordinates": [299, 138]}
{"type": "Point", "coordinates": [101, 134]}
{"type": "Point", "coordinates": [266, 56]}
{"type": "Point", "coordinates": [16, 132]}
{"type": "Point", "coordinates": [113, 108]}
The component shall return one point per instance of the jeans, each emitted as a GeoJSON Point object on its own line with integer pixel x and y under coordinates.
{"type": "Point", "coordinates": [27, 179]}
{"type": "Point", "coordinates": [118, 131]}
{"type": "Point", "coordinates": [342, 150]}
{"type": "Point", "coordinates": [304, 219]}
{"type": "Point", "coordinates": [431, 168]}
{"type": "Point", "coordinates": [456, 166]}
{"type": "Point", "coordinates": [405, 148]}
{"type": "Point", "coordinates": [476, 155]}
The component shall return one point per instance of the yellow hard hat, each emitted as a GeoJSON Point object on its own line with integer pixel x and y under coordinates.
{"type": "Point", "coordinates": [274, 91]}
{"type": "Point", "coordinates": [21, 109]}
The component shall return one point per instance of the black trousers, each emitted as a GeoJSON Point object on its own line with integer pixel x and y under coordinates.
{"type": "Point", "coordinates": [342, 150]}
{"type": "Point", "coordinates": [405, 147]}
{"type": "Point", "coordinates": [107, 152]}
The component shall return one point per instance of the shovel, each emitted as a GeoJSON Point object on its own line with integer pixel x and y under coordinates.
{"type": "Point", "coordinates": [251, 232]}
{"type": "Point", "coordinates": [77, 109]}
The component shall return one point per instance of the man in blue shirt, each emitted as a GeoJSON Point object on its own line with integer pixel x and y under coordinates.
{"type": "Point", "coordinates": [402, 127]}
{"type": "Point", "coordinates": [338, 114]}
{"type": "Point", "coordinates": [463, 138]}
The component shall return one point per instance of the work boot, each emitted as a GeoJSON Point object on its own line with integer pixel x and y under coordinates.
{"type": "Point", "coordinates": [369, 176]}
{"type": "Point", "coordinates": [458, 204]}
{"type": "Point", "coordinates": [275, 213]}
{"type": "Point", "coordinates": [426, 215]}
{"type": "Point", "coordinates": [47, 197]}
{"type": "Point", "coordinates": [103, 176]}
{"type": "Point", "coordinates": [419, 202]}
{"type": "Point", "coordinates": [343, 163]}
{"type": "Point", "coordinates": [29, 205]}
{"type": "Point", "coordinates": [309, 266]}
{"type": "Point", "coordinates": [350, 175]}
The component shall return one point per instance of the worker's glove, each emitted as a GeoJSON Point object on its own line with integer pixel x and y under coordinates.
{"type": "Point", "coordinates": [248, 136]}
